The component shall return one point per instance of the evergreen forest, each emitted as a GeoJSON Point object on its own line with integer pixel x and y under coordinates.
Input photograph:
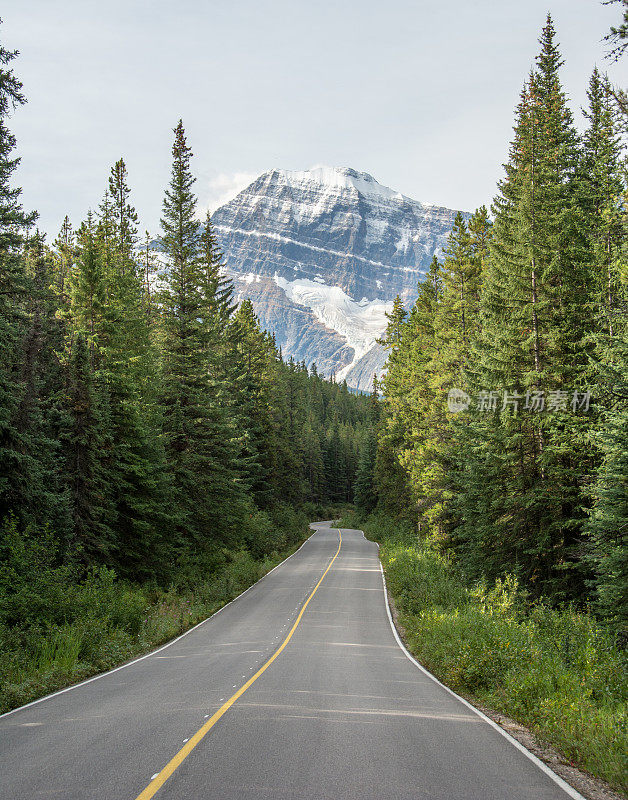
{"type": "Point", "coordinates": [152, 439]}
{"type": "Point", "coordinates": [503, 422]}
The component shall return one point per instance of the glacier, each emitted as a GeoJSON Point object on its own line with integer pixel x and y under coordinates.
{"type": "Point", "coordinates": [360, 323]}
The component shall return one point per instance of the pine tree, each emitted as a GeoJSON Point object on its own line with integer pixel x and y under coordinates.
{"type": "Point", "coordinates": [88, 293]}
{"type": "Point", "coordinates": [64, 252]}
{"type": "Point", "coordinates": [365, 492]}
{"type": "Point", "coordinates": [125, 220]}
{"type": "Point", "coordinates": [14, 286]}
{"type": "Point", "coordinates": [618, 35]}
{"type": "Point", "coordinates": [149, 267]}
{"type": "Point", "coordinates": [200, 442]}
{"type": "Point", "coordinates": [535, 337]}
{"type": "Point", "coordinates": [608, 523]}
{"type": "Point", "coordinates": [602, 187]}
{"type": "Point", "coordinates": [603, 195]}
{"type": "Point", "coordinates": [217, 288]}
{"type": "Point", "coordinates": [40, 415]}
{"type": "Point", "coordinates": [87, 445]}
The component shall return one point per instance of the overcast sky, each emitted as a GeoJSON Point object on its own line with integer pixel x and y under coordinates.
{"type": "Point", "coordinates": [419, 93]}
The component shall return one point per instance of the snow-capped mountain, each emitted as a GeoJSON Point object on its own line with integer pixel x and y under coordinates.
{"type": "Point", "coordinates": [322, 253]}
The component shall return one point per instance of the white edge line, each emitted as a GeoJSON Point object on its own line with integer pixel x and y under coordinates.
{"type": "Point", "coordinates": [159, 649]}
{"type": "Point", "coordinates": [569, 790]}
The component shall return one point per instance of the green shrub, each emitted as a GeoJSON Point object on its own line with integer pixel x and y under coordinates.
{"type": "Point", "coordinates": [60, 649]}
{"type": "Point", "coordinates": [56, 629]}
{"type": "Point", "coordinates": [421, 578]}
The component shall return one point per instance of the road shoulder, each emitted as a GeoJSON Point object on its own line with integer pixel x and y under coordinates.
{"type": "Point", "coordinates": [590, 787]}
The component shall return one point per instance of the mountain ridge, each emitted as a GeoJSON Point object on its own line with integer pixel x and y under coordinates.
{"type": "Point", "coordinates": [322, 253]}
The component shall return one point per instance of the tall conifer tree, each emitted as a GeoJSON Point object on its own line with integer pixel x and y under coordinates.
{"type": "Point", "coordinates": [14, 286]}
{"type": "Point", "coordinates": [200, 444]}
{"type": "Point", "coordinates": [536, 321]}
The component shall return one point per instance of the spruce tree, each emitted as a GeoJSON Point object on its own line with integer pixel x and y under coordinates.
{"type": "Point", "coordinates": [602, 187]}
{"type": "Point", "coordinates": [88, 310]}
{"type": "Point", "coordinates": [365, 492]}
{"type": "Point", "coordinates": [536, 317]}
{"type": "Point", "coordinates": [106, 306]}
{"type": "Point", "coordinates": [40, 415]}
{"type": "Point", "coordinates": [608, 522]}
{"type": "Point", "coordinates": [63, 253]}
{"type": "Point", "coordinates": [149, 267]}
{"type": "Point", "coordinates": [312, 462]}
{"type": "Point", "coordinates": [125, 220]}
{"type": "Point", "coordinates": [199, 437]}
{"type": "Point", "coordinates": [217, 288]}
{"type": "Point", "coordinates": [252, 375]}
{"type": "Point", "coordinates": [618, 35]}
{"type": "Point", "coordinates": [14, 287]}
{"type": "Point", "coordinates": [87, 447]}
{"type": "Point", "coordinates": [603, 195]}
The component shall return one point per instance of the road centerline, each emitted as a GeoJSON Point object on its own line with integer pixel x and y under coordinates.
{"type": "Point", "coordinates": [158, 780]}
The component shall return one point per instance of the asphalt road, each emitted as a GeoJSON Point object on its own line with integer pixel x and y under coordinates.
{"type": "Point", "coordinates": [341, 713]}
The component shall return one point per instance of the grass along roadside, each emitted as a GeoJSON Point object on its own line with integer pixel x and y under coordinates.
{"type": "Point", "coordinates": [558, 672]}
{"type": "Point", "coordinates": [101, 622]}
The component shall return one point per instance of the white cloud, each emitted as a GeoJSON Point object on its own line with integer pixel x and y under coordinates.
{"type": "Point", "coordinates": [222, 188]}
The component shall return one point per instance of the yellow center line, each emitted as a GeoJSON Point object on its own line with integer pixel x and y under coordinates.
{"type": "Point", "coordinates": [158, 781]}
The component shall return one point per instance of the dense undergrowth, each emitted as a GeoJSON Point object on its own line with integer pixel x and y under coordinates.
{"type": "Point", "coordinates": [57, 628]}
{"type": "Point", "coordinates": [557, 671]}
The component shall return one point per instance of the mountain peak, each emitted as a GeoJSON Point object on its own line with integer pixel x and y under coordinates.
{"type": "Point", "coordinates": [339, 178]}
{"type": "Point", "coordinates": [321, 253]}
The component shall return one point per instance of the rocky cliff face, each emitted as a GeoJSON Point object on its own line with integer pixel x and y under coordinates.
{"type": "Point", "coordinates": [322, 254]}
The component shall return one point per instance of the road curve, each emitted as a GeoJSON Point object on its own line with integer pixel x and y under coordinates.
{"type": "Point", "coordinates": [340, 713]}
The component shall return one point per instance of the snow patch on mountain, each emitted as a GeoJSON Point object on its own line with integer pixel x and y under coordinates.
{"type": "Point", "coordinates": [360, 323]}
{"type": "Point", "coordinates": [249, 277]}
